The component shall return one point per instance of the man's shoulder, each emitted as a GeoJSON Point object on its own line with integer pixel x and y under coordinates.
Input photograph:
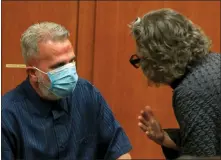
{"type": "Point", "coordinates": [84, 93]}
{"type": "Point", "coordinates": [83, 82]}
{"type": "Point", "coordinates": [12, 98]}
{"type": "Point", "coordinates": [85, 87]}
{"type": "Point", "coordinates": [9, 108]}
{"type": "Point", "coordinates": [85, 100]}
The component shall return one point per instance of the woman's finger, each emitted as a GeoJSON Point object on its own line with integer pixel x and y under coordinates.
{"type": "Point", "coordinates": [155, 126]}
{"type": "Point", "coordinates": [142, 120]}
{"type": "Point", "coordinates": [148, 112]}
{"type": "Point", "coordinates": [142, 127]}
{"type": "Point", "coordinates": [144, 115]}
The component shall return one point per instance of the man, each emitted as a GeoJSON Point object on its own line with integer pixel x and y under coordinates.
{"type": "Point", "coordinates": [54, 114]}
{"type": "Point", "coordinates": [173, 51]}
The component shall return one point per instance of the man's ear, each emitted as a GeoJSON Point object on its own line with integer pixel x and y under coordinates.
{"type": "Point", "coordinates": [31, 71]}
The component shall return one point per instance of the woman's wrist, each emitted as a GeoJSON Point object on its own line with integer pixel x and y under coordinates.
{"type": "Point", "coordinates": [168, 142]}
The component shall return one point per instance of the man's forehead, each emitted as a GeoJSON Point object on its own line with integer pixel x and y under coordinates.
{"type": "Point", "coordinates": [51, 53]}
{"type": "Point", "coordinates": [51, 48]}
{"type": "Point", "coordinates": [61, 46]}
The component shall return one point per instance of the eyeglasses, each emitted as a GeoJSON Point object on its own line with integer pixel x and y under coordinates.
{"type": "Point", "coordinates": [135, 61]}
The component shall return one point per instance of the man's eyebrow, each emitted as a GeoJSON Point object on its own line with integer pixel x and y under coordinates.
{"type": "Point", "coordinates": [59, 64]}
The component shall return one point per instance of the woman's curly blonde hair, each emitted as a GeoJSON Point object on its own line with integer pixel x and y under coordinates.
{"type": "Point", "coordinates": [168, 43]}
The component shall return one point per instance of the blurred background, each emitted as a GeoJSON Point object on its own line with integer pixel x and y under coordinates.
{"type": "Point", "coordinates": [103, 45]}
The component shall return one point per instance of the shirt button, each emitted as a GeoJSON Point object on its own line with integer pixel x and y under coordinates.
{"type": "Point", "coordinates": [61, 146]}
{"type": "Point", "coordinates": [85, 141]}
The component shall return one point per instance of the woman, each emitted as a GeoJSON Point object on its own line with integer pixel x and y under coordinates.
{"type": "Point", "coordinates": [173, 51]}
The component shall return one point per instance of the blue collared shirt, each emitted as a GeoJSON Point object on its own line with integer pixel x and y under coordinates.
{"type": "Point", "coordinates": [79, 127]}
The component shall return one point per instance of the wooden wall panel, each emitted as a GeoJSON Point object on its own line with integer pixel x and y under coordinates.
{"type": "Point", "coordinates": [206, 14]}
{"type": "Point", "coordinates": [125, 87]}
{"type": "Point", "coordinates": [85, 39]}
{"type": "Point", "coordinates": [16, 17]}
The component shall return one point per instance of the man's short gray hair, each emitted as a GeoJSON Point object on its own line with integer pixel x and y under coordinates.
{"type": "Point", "coordinates": [40, 32]}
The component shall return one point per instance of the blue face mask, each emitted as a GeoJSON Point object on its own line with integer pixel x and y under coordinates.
{"type": "Point", "coordinates": [63, 80]}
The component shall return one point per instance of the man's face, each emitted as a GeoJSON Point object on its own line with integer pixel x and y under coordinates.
{"type": "Point", "coordinates": [54, 54]}
{"type": "Point", "coordinates": [51, 55]}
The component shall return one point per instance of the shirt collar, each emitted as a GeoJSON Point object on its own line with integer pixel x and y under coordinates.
{"type": "Point", "coordinates": [176, 82]}
{"type": "Point", "coordinates": [190, 69]}
{"type": "Point", "coordinates": [40, 105]}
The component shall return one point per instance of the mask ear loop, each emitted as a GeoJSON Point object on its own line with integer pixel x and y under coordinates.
{"type": "Point", "coordinates": [39, 70]}
{"type": "Point", "coordinates": [40, 81]}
